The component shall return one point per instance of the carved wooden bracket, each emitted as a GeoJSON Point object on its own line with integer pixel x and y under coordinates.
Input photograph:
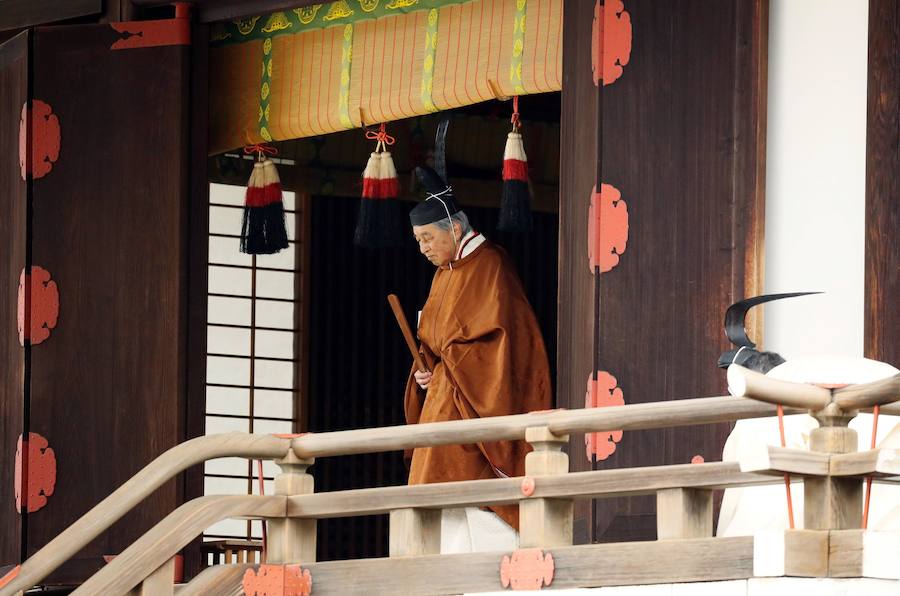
{"type": "Point", "coordinates": [527, 569]}
{"type": "Point", "coordinates": [44, 298]}
{"type": "Point", "coordinates": [278, 580]}
{"type": "Point", "coordinates": [601, 393]}
{"type": "Point", "coordinates": [45, 140]}
{"type": "Point", "coordinates": [607, 228]}
{"type": "Point", "coordinates": [38, 470]}
{"type": "Point", "coordinates": [612, 24]}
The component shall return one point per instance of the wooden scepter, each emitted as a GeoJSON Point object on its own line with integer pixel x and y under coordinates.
{"type": "Point", "coordinates": [407, 331]}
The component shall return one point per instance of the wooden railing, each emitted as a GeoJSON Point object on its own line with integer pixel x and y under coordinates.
{"type": "Point", "coordinates": [685, 550]}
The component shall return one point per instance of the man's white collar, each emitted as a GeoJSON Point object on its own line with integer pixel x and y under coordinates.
{"type": "Point", "coordinates": [469, 243]}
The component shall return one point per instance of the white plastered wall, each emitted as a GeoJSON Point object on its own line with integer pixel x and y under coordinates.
{"type": "Point", "coordinates": [815, 181]}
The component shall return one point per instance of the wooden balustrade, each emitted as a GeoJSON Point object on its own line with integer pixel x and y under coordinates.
{"type": "Point", "coordinates": [831, 471]}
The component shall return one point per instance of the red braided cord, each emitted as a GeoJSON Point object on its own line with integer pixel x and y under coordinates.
{"type": "Point", "coordinates": [262, 491]}
{"type": "Point", "coordinates": [381, 136]}
{"type": "Point", "coordinates": [515, 120]}
{"type": "Point", "coordinates": [260, 150]}
{"type": "Point", "coordinates": [865, 521]}
{"type": "Point", "coordinates": [787, 477]}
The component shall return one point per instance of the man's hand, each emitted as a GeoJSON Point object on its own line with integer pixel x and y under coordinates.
{"type": "Point", "coordinates": [423, 378]}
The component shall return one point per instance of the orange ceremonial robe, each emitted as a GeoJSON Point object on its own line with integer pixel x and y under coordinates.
{"type": "Point", "coordinates": [481, 341]}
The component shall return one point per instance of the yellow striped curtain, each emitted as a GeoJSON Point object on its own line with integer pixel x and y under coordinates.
{"type": "Point", "coordinates": [278, 84]}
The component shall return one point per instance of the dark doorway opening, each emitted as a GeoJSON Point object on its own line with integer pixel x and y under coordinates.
{"type": "Point", "coordinates": [358, 362]}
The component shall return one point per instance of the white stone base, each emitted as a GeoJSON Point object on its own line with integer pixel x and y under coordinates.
{"type": "Point", "coordinates": [759, 586]}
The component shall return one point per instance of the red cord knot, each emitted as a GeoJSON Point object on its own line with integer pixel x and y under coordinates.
{"type": "Point", "coordinates": [515, 120]}
{"type": "Point", "coordinates": [381, 136]}
{"type": "Point", "coordinates": [259, 150]}
{"type": "Point", "coordinates": [527, 486]}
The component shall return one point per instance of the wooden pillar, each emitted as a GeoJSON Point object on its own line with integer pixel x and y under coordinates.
{"type": "Point", "coordinates": [579, 146]}
{"type": "Point", "coordinates": [292, 540]}
{"type": "Point", "coordinates": [684, 513]}
{"type": "Point", "coordinates": [545, 522]}
{"type": "Point", "coordinates": [415, 532]}
{"type": "Point", "coordinates": [882, 317]}
{"type": "Point", "coordinates": [831, 503]}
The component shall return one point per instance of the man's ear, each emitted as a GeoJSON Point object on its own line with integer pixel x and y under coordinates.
{"type": "Point", "coordinates": [457, 230]}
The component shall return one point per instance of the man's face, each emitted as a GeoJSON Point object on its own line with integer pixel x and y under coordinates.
{"type": "Point", "coordinates": [435, 243]}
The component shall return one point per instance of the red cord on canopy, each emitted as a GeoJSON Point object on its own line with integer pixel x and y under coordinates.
{"type": "Point", "coordinates": [260, 150]}
{"type": "Point", "coordinates": [381, 136]}
{"type": "Point", "coordinates": [787, 477]}
{"type": "Point", "coordinates": [515, 120]}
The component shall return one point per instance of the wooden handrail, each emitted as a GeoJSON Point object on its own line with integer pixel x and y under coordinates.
{"type": "Point", "coordinates": [184, 524]}
{"type": "Point", "coordinates": [135, 490]}
{"type": "Point", "coordinates": [673, 413]}
{"type": "Point", "coordinates": [498, 491]}
{"type": "Point", "coordinates": [877, 393]}
{"type": "Point", "coordinates": [171, 535]}
{"type": "Point", "coordinates": [743, 382]}
{"type": "Point", "coordinates": [679, 412]}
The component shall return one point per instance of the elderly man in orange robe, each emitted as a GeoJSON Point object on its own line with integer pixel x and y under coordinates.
{"type": "Point", "coordinates": [485, 357]}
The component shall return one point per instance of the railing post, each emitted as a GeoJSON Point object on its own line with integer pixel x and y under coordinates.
{"type": "Point", "coordinates": [292, 540]}
{"type": "Point", "coordinates": [684, 513]}
{"type": "Point", "coordinates": [415, 532]}
{"type": "Point", "coordinates": [832, 503]}
{"type": "Point", "coordinates": [159, 583]}
{"type": "Point", "coordinates": [545, 522]}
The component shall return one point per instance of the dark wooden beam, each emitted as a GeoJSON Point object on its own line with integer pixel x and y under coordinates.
{"type": "Point", "coordinates": [882, 317]}
{"type": "Point", "coordinates": [209, 11]}
{"type": "Point", "coordinates": [16, 14]}
{"type": "Point", "coordinates": [198, 256]}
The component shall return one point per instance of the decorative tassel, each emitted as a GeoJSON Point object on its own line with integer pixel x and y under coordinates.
{"type": "Point", "coordinates": [379, 221]}
{"type": "Point", "coordinates": [515, 204]}
{"type": "Point", "coordinates": [390, 184]}
{"type": "Point", "coordinates": [263, 231]}
{"type": "Point", "coordinates": [372, 177]}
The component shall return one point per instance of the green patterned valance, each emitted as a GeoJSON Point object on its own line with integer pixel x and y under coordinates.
{"type": "Point", "coordinates": [282, 81]}
{"type": "Point", "coordinates": [316, 16]}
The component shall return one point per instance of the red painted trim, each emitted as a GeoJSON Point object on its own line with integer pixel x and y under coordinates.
{"type": "Point", "coordinates": [45, 139]}
{"type": "Point", "coordinates": [10, 575]}
{"type": "Point", "coordinates": [610, 41]}
{"type": "Point", "coordinates": [602, 393]}
{"type": "Point", "coordinates": [182, 10]}
{"type": "Point", "coordinates": [607, 228]}
{"type": "Point", "coordinates": [152, 34]}
{"type": "Point", "coordinates": [527, 569]}
{"type": "Point", "coordinates": [272, 580]}
{"type": "Point", "coordinates": [36, 473]}
{"type": "Point", "coordinates": [39, 296]}
{"type": "Point", "coordinates": [527, 486]}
